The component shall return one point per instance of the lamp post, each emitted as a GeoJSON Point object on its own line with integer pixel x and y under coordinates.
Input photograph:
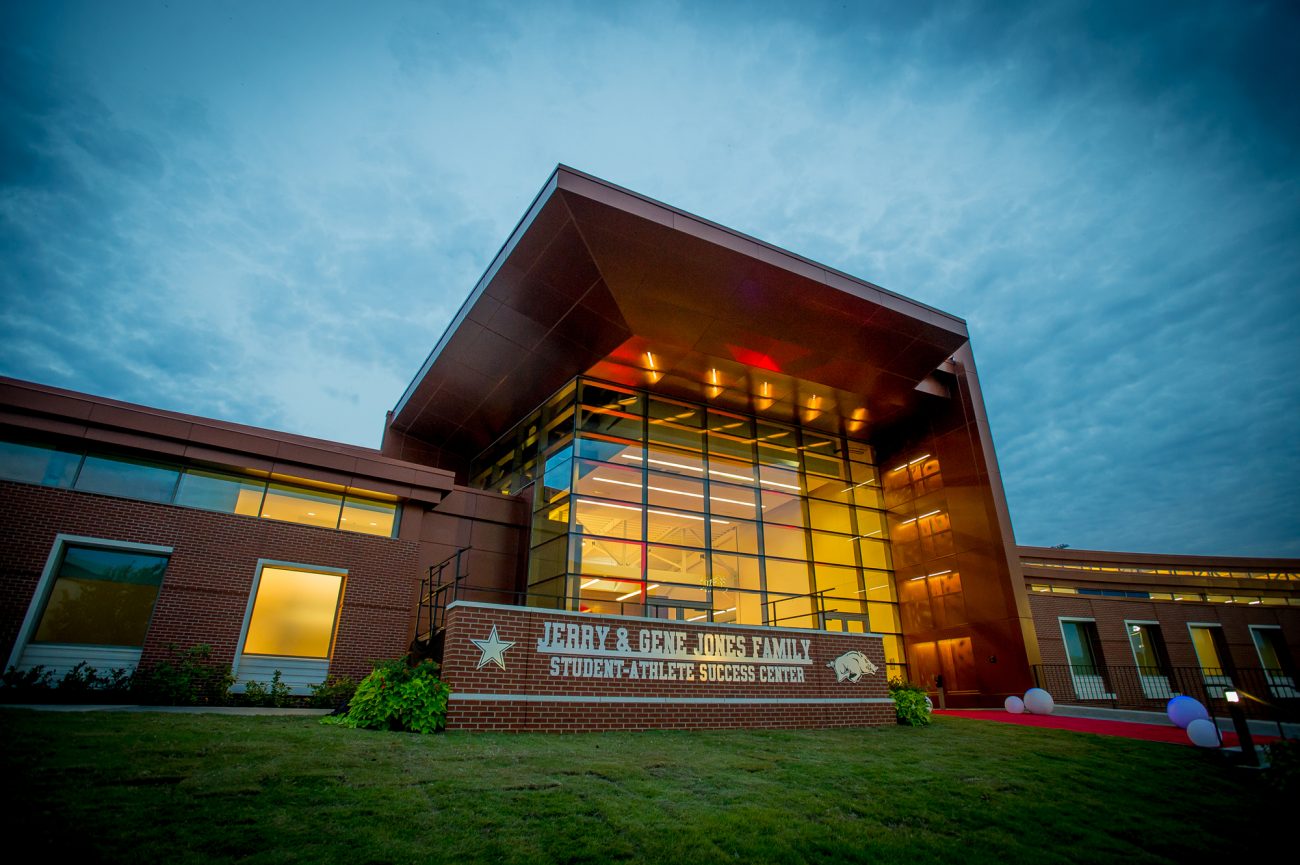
{"type": "Point", "coordinates": [1248, 755]}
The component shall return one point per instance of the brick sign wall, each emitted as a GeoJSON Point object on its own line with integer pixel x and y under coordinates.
{"type": "Point", "coordinates": [519, 668]}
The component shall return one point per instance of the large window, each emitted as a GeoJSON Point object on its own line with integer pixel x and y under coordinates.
{"type": "Point", "coordinates": [93, 604]}
{"type": "Point", "coordinates": [1083, 653]}
{"type": "Point", "coordinates": [1275, 658]}
{"type": "Point", "coordinates": [102, 597]}
{"type": "Point", "coordinates": [1151, 658]}
{"type": "Point", "coordinates": [294, 612]}
{"type": "Point", "coordinates": [285, 499]}
{"type": "Point", "coordinates": [291, 625]}
{"type": "Point", "coordinates": [645, 505]}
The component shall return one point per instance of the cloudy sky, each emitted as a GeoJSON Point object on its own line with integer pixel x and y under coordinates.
{"type": "Point", "coordinates": [268, 212]}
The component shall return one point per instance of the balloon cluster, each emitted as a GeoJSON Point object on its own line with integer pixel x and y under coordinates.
{"type": "Point", "coordinates": [1036, 702]}
{"type": "Point", "coordinates": [1191, 716]}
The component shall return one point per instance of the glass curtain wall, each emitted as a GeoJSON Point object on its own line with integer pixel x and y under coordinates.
{"type": "Point", "coordinates": [650, 506]}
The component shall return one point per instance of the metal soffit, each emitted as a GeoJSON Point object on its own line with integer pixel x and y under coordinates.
{"type": "Point", "coordinates": [598, 280]}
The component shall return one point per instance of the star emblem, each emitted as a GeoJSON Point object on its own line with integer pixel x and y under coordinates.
{"type": "Point", "coordinates": [493, 649]}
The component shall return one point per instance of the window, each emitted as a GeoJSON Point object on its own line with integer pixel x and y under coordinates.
{"type": "Point", "coordinates": [1275, 658]}
{"type": "Point", "coordinates": [1083, 653]}
{"type": "Point", "coordinates": [292, 618]}
{"type": "Point", "coordinates": [1212, 656]}
{"type": "Point", "coordinates": [1151, 658]}
{"type": "Point", "coordinates": [93, 604]}
{"type": "Point", "coordinates": [294, 612]}
{"type": "Point", "coordinates": [35, 464]}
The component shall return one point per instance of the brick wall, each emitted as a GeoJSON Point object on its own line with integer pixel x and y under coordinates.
{"type": "Point", "coordinates": [210, 573]}
{"type": "Point", "coordinates": [667, 692]}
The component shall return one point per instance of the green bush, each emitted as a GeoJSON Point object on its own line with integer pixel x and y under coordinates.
{"type": "Point", "coordinates": [909, 703]}
{"type": "Point", "coordinates": [21, 686]}
{"type": "Point", "coordinates": [184, 678]}
{"type": "Point", "coordinates": [81, 684]}
{"type": "Point", "coordinates": [1284, 765]}
{"type": "Point", "coordinates": [277, 694]}
{"type": "Point", "coordinates": [398, 696]}
{"type": "Point", "coordinates": [333, 693]}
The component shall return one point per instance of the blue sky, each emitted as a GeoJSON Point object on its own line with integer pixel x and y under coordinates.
{"type": "Point", "coordinates": [268, 213]}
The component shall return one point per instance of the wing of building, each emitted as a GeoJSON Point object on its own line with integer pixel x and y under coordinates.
{"type": "Point", "coordinates": [636, 414]}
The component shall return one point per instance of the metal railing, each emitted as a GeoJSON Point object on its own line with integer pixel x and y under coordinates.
{"type": "Point", "coordinates": [1271, 694]}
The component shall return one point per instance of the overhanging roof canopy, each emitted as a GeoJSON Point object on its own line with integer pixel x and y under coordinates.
{"type": "Point", "coordinates": [599, 280]}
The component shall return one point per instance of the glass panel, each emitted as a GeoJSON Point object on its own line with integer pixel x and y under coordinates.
{"type": "Point", "coordinates": [788, 543]}
{"type": "Point", "coordinates": [822, 456]}
{"type": "Point", "coordinates": [782, 508]}
{"type": "Point", "coordinates": [884, 618]}
{"type": "Point", "coordinates": [611, 422]}
{"type": "Point", "coordinates": [736, 536]}
{"type": "Point", "coordinates": [681, 414]}
{"type": "Point", "coordinates": [737, 572]}
{"type": "Point", "coordinates": [558, 428]}
{"type": "Point", "coordinates": [731, 436]}
{"type": "Point", "coordinates": [548, 560]}
{"type": "Point", "coordinates": [675, 461]}
{"type": "Point", "coordinates": [875, 554]}
{"type": "Point", "coordinates": [672, 565]}
{"type": "Point", "coordinates": [672, 491]}
{"type": "Point", "coordinates": [787, 590]}
{"type": "Point", "coordinates": [1078, 647]}
{"type": "Point", "coordinates": [617, 597]}
{"type": "Point", "coordinates": [1207, 653]}
{"type": "Point", "coordinates": [835, 549]}
{"type": "Point", "coordinates": [871, 524]}
{"type": "Point", "coordinates": [666, 432]}
{"type": "Point", "coordinates": [294, 613]}
{"type": "Point", "coordinates": [612, 519]}
{"type": "Point", "coordinates": [133, 479]}
{"type": "Point", "coordinates": [32, 464]}
{"type": "Point", "coordinates": [672, 527]}
{"type": "Point", "coordinates": [609, 481]}
{"type": "Point", "coordinates": [368, 516]}
{"type": "Point", "coordinates": [550, 521]}
{"type": "Point", "coordinates": [879, 585]}
{"type": "Point", "coordinates": [731, 471]}
{"type": "Point", "coordinates": [615, 451]}
{"type": "Point", "coordinates": [1269, 645]}
{"type": "Point", "coordinates": [726, 500]}
{"type": "Point", "coordinates": [777, 478]}
{"type": "Point", "coordinates": [838, 582]}
{"type": "Point", "coordinates": [213, 491]}
{"type": "Point", "coordinates": [1143, 640]}
{"type": "Point", "coordinates": [777, 446]}
{"type": "Point", "coordinates": [828, 517]}
{"type": "Point", "coordinates": [830, 490]}
{"type": "Point", "coordinates": [860, 452]}
{"type": "Point", "coordinates": [304, 506]}
{"type": "Point", "coordinates": [101, 597]}
{"type": "Point", "coordinates": [557, 479]}
{"type": "Point", "coordinates": [612, 397]}
{"type": "Point", "coordinates": [868, 496]}
{"type": "Point", "coordinates": [601, 558]}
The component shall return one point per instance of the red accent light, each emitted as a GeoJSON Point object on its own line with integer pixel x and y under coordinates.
{"type": "Point", "coordinates": [756, 359]}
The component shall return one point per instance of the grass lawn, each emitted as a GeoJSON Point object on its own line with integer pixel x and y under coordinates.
{"type": "Point", "coordinates": [193, 788]}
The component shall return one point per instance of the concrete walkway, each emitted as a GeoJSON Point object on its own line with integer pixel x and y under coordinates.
{"type": "Point", "coordinates": [172, 710]}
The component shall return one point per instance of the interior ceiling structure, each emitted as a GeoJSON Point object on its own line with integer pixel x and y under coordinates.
{"type": "Point", "coordinates": [598, 280]}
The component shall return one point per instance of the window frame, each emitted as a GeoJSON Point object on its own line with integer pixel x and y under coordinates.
{"type": "Point", "coordinates": [1100, 669]}
{"type": "Point", "coordinates": [44, 585]}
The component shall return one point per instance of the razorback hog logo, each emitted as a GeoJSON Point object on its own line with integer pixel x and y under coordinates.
{"type": "Point", "coordinates": [851, 667]}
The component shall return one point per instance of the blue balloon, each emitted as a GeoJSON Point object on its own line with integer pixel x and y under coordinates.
{"type": "Point", "coordinates": [1183, 710]}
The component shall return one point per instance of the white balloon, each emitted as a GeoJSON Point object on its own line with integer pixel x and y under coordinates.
{"type": "Point", "coordinates": [1203, 733]}
{"type": "Point", "coordinates": [1183, 710]}
{"type": "Point", "coordinates": [1014, 705]}
{"type": "Point", "coordinates": [1039, 701]}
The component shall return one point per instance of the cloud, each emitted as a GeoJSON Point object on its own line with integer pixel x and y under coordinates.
{"type": "Point", "coordinates": [200, 213]}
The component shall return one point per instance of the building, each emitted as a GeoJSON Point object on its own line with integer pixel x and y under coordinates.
{"type": "Point", "coordinates": [636, 413]}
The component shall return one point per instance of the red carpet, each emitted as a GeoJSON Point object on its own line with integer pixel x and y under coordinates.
{"type": "Point", "coordinates": [1126, 729]}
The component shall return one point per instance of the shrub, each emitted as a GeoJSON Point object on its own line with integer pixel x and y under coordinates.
{"type": "Point", "coordinates": [36, 683]}
{"type": "Point", "coordinates": [333, 693]}
{"type": "Point", "coordinates": [1284, 766]}
{"type": "Point", "coordinates": [909, 703]}
{"type": "Point", "coordinates": [398, 696]}
{"type": "Point", "coordinates": [184, 678]}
